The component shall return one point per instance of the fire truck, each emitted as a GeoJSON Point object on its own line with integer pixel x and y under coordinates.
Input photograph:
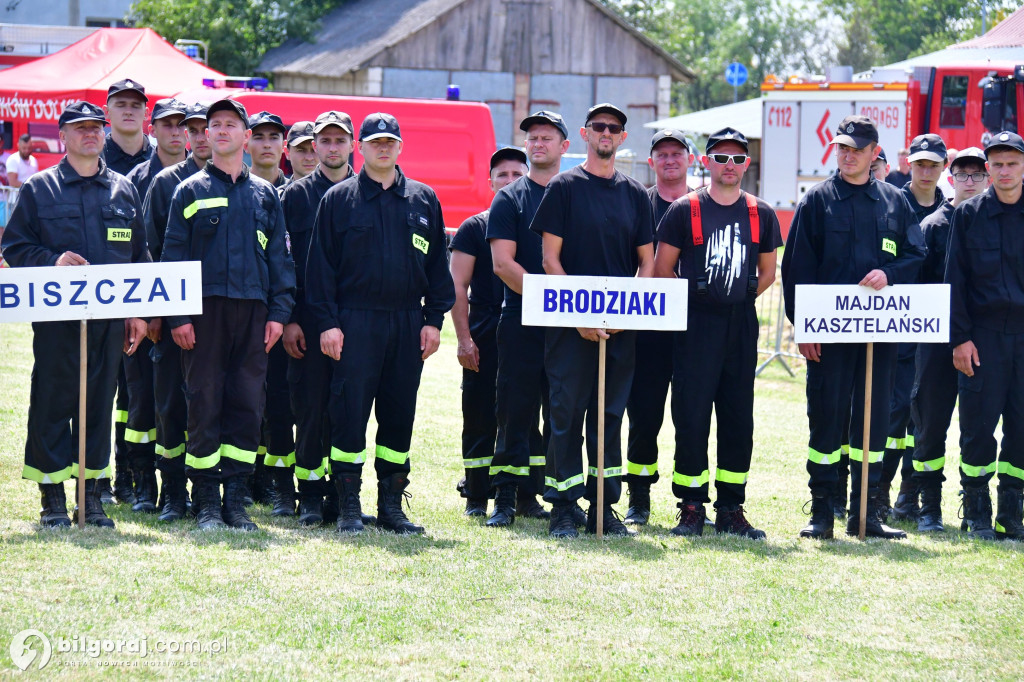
{"type": "Point", "coordinates": [963, 104]}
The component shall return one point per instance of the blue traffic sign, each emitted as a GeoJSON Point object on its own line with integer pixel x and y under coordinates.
{"type": "Point", "coordinates": [735, 74]}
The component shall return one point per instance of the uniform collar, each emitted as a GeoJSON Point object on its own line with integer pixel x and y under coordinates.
{"type": "Point", "coordinates": [109, 145]}
{"type": "Point", "coordinates": [372, 188]}
{"type": "Point", "coordinates": [224, 177]}
{"type": "Point", "coordinates": [996, 207]}
{"type": "Point", "coordinates": [318, 176]}
{"type": "Point", "coordinates": [940, 198]}
{"type": "Point", "coordinates": [845, 190]}
{"type": "Point", "coordinates": [68, 175]}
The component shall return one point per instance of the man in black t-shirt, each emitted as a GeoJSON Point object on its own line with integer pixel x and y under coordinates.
{"type": "Point", "coordinates": [594, 221]}
{"type": "Point", "coordinates": [518, 466]}
{"type": "Point", "coordinates": [715, 358]}
{"type": "Point", "coordinates": [478, 295]}
{"type": "Point", "coordinates": [670, 157]}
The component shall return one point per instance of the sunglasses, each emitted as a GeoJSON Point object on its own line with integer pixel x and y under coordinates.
{"type": "Point", "coordinates": [738, 159]}
{"type": "Point", "coordinates": [613, 128]}
{"type": "Point", "coordinates": [977, 177]}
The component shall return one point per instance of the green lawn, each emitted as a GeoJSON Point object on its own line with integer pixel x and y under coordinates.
{"type": "Point", "coordinates": [472, 603]}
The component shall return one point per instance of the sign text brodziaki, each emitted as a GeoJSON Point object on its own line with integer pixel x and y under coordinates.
{"type": "Point", "coordinates": [604, 302]}
{"type": "Point", "coordinates": [910, 313]}
{"type": "Point", "coordinates": [91, 292]}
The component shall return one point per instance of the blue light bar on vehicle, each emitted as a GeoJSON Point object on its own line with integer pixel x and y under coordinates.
{"type": "Point", "coordinates": [237, 82]}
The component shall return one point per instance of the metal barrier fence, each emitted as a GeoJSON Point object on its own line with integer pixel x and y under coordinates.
{"type": "Point", "coordinates": [776, 338]}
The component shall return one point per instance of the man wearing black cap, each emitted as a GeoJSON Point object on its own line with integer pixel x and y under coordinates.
{"type": "Point", "coordinates": [935, 381]}
{"type": "Point", "coordinates": [880, 166]}
{"type": "Point", "coordinates": [266, 147]}
{"type": "Point", "coordinates": [75, 213]}
{"type": "Point", "coordinates": [519, 460]}
{"type": "Point", "coordinates": [378, 286]}
{"type": "Point", "coordinates": [594, 221]}
{"type": "Point", "coordinates": [140, 429]}
{"type": "Point", "coordinates": [849, 229]}
{"type": "Point", "coordinates": [309, 370]}
{"type": "Point", "coordinates": [478, 296]}
{"type": "Point", "coordinates": [670, 158]}
{"type": "Point", "coordinates": [299, 151]}
{"type": "Point", "coordinates": [124, 148]}
{"type": "Point", "coordinates": [170, 408]}
{"type": "Point", "coordinates": [986, 279]}
{"type": "Point", "coordinates": [927, 160]}
{"type": "Point", "coordinates": [233, 223]}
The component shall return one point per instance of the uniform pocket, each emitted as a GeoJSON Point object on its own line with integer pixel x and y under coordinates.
{"type": "Point", "coordinates": [260, 241]}
{"type": "Point", "coordinates": [973, 384]}
{"type": "Point", "coordinates": [117, 225]}
{"type": "Point", "coordinates": [60, 227]}
{"type": "Point", "coordinates": [983, 253]}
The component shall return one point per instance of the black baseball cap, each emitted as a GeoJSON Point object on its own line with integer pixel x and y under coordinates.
{"type": "Point", "coordinates": [544, 117]}
{"type": "Point", "coordinates": [265, 118]}
{"type": "Point", "coordinates": [234, 106]}
{"type": "Point", "coordinates": [606, 108]}
{"type": "Point", "coordinates": [1006, 140]}
{"type": "Point", "coordinates": [856, 131]}
{"type": "Point", "coordinates": [195, 111]}
{"type": "Point", "coordinates": [334, 118]}
{"type": "Point", "coordinates": [927, 147]}
{"type": "Point", "coordinates": [506, 153]}
{"type": "Point", "coordinates": [81, 111]}
{"type": "Point", "coordinates": [881, 156]}
{"type": "Point", "coordinates": [300, 132]}
{"type": "Point", "coordinates": [968, 154]}
{"type": "Point", "coordinates": [726, 135]}
{"type": "Point", "coordinates": [669, 134]}
{"type": "Point", "coordinates": [167, 107]}
{"type": "Point", "coordinates": [376, 126]}
{"type": "Point", "coordinates": [127, 85]}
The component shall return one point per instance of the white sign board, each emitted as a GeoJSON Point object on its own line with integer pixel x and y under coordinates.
{"type": "Point", "coordinates": [95, 292]}
{"type": "Point", "coordinates": [847, 313]}
{"type": "Point", "coordinates": [604, 302]}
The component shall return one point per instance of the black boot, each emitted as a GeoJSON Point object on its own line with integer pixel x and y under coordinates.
{"type": "Point", "coordinates": [822, 518]}
{"type": "Point", "coordinates": [234, 511]}
{"type": "Point", "coordinates": [144, 476]}
{"type": "Point", "coordinates": [907, 507]}
{"type": "Point", "coordinates": [579, 517]}
{"type": "Point", "coordinates": [873, 526]}
{"type": "Point", "coordinates": [612, 522]}
{"type": "Point", "coordinates": [282, 480]}
{"type": "Point", "coordinates": [54, 506]}
{"type": "Point", "coordinates": [841, 496]}
{"type": "Point", "coordinates": [311, 503]}
{"type": "Point", "coordinates": [929, 520]}
{"type": "Point", "coordinates": [390, 516]}
{"type": "Point", "coordinates": [1009, 508]}
{"type": "Point", "coordinates": [123, 491]}
{"type": "Point", "coordinates": [504, 513]}
{"type": "Point", "coordinates": [206, 500]}
{"type": "Point", "coordinates": [691, 519]}
{"type": "Point", "coordinates": [562, 524]}
{"type": "Point", "coordinates": [350, 510]}
{"type": "Point", "coordinates": [639, 504]}
{"type": "Point", "coordinates": [94, 514]}
{"type": "Point", "coordinates": [476, 506]}
{"type": "Point", "coordinates": [977, 512]}
{"type": "Point", "coordinates": [528, 506]}
{"type": "Point", "coordinates": [175, 498]}
{"type": "Point", "coordinates": [261, 491]}
{"type": "Point", "coordinates": [106, 491]}
{"type": "Point", "coordinates": [883, 506]}
{"type": "Point", "coordinates": [731, 520]}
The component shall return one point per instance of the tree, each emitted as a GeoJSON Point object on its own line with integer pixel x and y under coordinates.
{"type": "Point", "coordinates": [239, 32]}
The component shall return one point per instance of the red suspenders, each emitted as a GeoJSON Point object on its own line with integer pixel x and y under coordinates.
{"type": "Point", "coordinates": [700, 251]}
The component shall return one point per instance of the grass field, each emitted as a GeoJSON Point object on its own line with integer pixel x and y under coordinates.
{"type": "Point", "coordinates": [466, 602]}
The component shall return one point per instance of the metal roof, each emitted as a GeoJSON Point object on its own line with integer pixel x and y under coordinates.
{"type": "Point", "coordinates": [744, 116]}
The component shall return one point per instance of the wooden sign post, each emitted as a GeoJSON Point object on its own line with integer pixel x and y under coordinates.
{"type": "Point", "coordinates": [96, 292]}
{"type": "Point", "coordinates": [906, 313]}
{"type": "Point", "coordinates": [604, 303]}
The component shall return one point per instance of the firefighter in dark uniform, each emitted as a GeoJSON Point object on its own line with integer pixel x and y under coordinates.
{"type": "Point", "coordinates": [75, 213]}
{"type": "Point", "coordinates": [522, 390]}
{"type": "Point", "coordinates": [274, 474]}
{"type": "Point", "coordinates": [725, 247]}
{"type": "Point", "coordinates": [594, 221]}
{"type": "Point", "coordinates": [986, 278]}
{"type": "Point", "coordinates": [927, 161]}
{"type": "Point", "coordinates": [935, 381]}
{"type": "Point", "coordinates": [125, 147]}
{"type": "Point", "coordinates": [309, 370]}
{"type": "Point", "coordinates": [378, 286]}
{"type": "Point", "coordinates": [299, 150]}
{"type": "Point", "coordinates": [140, 431]}
{"type": "Point", "coordinates": [478, 296]}
{"type": "Point", "coordinates": [168, 382]}
{"type": "Point", "coordinates": [233, 223]}
{"type": "Point", "coordinates": [670, 157]}
{"type": "Point", "coordinates": [850, 229]}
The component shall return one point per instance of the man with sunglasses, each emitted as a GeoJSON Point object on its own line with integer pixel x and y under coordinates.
{"type": "Point", "coordinates": [935, 384]}
{"type": "Point", "coordinates": [986, 281]}
{"type": "Point", "coordinates": [593, 220]}
{"type": "Point", "coordinates": [725, 247]}
{"type": "Point", "coordinates": [849, 229]}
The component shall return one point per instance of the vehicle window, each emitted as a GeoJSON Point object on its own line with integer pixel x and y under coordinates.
{"type": "Point", "coordinates": [1010, 107]}
{"type": "Point", "coordinates": [45, 138]}
{"type": "Point", "coordinates": [953, 111]}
